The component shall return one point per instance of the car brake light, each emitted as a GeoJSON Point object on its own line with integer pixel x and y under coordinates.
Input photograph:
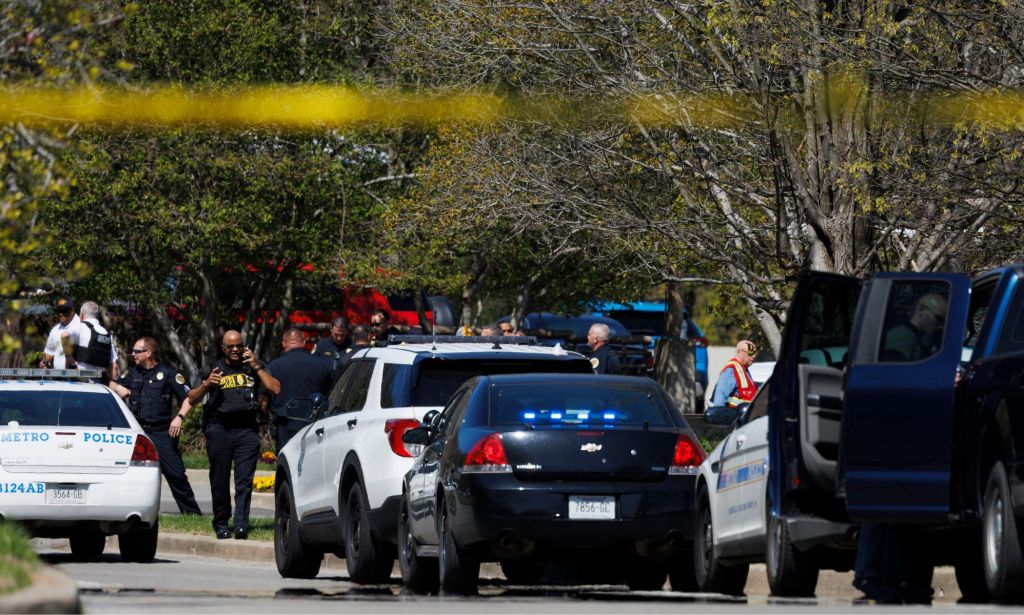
{"type": "Point", "coordinates": [701, 342]}
{"type": "Point", "coordinates": [649, 360]}
{"type": "Point", "coordinates": [144, 453]}
{"type": "Point", "coordinates": [396, 428]}
{"type": "Point", "coordinates": [687, 456]}
{"type": "Point", "coordinates": [487, 457]}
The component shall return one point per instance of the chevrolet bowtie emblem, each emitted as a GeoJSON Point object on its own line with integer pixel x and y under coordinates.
{"type": "Point", "coordinates": [65, 445]}
{"type": "Point", "coordinates": [590, 447]}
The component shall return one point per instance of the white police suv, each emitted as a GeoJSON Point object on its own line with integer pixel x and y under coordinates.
{"type": "Point", "coordinates": [339, 479]}
{"type": "Point", "coordinates": [74, 463]}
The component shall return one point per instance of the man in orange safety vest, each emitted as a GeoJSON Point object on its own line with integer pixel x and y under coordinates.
{"type": "Point", "coordinates": [735, 386]}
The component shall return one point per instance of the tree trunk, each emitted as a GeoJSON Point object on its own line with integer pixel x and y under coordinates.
{"type": "Point", "coordinates": [421, 311]}
{"type": "Point", "coordinates": [185, 361]}
{"type": "Point", "coordinates": [674, 367]}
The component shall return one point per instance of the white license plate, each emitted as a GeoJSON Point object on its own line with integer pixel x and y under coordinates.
{"type": "Point", "coordinates": [591, 507]}
{"type": "Point", "coordinates": [66, 495]}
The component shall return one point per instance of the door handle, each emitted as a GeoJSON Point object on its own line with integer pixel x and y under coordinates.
{"type": "Point", "coordinates": [352, 423]}
{"type": "Point", "coordinates": [320, 431]}
{"type": "Point", "coordinates": [740, 440]}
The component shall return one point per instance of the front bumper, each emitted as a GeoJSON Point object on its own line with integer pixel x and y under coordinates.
{"type": "Point", "coordinates": [489, 506]}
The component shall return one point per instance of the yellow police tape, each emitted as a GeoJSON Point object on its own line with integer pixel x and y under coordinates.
{"type": "Point", "coordinates": [301, 107]}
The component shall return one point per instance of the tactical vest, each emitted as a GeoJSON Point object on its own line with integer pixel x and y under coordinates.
{"type": "Point", "coordinates": [98, 351]}
{"type": "Point", "coordinates": [150, 400]}
{"type": "Point", "coordinates": [746, 388]}
{"type": "Point", "coordinates": [237, 391]}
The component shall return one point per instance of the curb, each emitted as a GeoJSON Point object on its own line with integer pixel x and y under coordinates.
{"type": "Point", "coordinates": [51, 591]}
{"type": "Point", "coordinates": [831, 584]}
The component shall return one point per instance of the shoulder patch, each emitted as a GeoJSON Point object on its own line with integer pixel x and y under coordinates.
{"type": "Point", "coordinates": [179, 379]}
{"type": "Point", "coordinates": [348, 350]}
{"type": "Point", "coordinates": [159, 375]}
{"type": "Point", "coordinates": [594, 362]}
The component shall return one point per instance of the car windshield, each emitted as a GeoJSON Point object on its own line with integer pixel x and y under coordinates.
{"type": "Point", "coordinates": [641, 323]}
{"type": "Point", "coordinates": [557, 406]}
{"type": "Point", "coordinates": [434, 380]}
{"type": "Point", "coordinates": [60, 409]}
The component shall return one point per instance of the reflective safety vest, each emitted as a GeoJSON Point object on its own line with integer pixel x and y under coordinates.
{"type": "Point", "coordinates": [746, 388]}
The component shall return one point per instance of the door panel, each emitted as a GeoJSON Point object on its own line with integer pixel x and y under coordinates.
{"type": "Point", "coordinates": [818, 330]}
{"type": "Point", "coordinates": [340, 427]}
{"type": "Point", "coordinates": [309, 470]}
{"type": "Point", "coordinates": [729, 494]}
{"type": "Point", "coordinates": [898, 421]}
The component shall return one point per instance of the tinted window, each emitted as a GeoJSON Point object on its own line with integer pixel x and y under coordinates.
{"type": "Point", "coordinates": [576, 407]}
{"type": "Point", "coordinates": [759, 406]}
{"type": "Point", "coordinates": [359, 387]}
{"type": "Point", "coordinates": [827, 325]}
{"type": "Point", "coordinates": [435, 380]}
{"type": "Point", "coordinates": [61, 408]}
{"type": "Point", "coordinates": [981, 297]}
{"type": "Point", "coordinates": [573, 327]}
{"type": "Point", "coordinates": [915, 319]}
{"type": "Point", "coordinates": [338, 392]}
{"type": "Point", "coordinates": [393, 385]}
{"type": "Point", "coordinates": [641, 323]}
{"type": "Point", "coordinates": [452, 415]}
{"type": "Point", "coordinates": [1011, 334]}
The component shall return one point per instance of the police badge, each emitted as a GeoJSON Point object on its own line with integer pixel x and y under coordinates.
{"type": "Point", "coordinates": [159, 375]}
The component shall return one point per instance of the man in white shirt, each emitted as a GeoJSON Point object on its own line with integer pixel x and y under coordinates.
{"type": "Point", "coordinates": [95, 348]}
{"type": "Point", "coordinates": [63, 336]}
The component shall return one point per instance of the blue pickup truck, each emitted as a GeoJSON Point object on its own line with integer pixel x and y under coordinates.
{"type": "Point", "coordinates": [900, 399]}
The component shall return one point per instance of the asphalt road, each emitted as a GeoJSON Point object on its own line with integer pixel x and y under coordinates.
{"type": "Point", "coordinates": [177, 583]}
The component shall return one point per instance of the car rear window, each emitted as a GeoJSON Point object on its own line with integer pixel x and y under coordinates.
{"type": "Point", "coordinates": [578, 407]}
{"type": "Point", "coordinates": [433, 381]}
{"type": "Point", "coordinates": [60, 409]}
{"type": "Point", "coordinates": [641, 323]}
{"type": "Point", "coordinates": [573, 327]}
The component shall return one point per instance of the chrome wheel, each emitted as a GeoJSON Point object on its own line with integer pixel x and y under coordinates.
{"type": "Point", "coordinates": [994, 531]}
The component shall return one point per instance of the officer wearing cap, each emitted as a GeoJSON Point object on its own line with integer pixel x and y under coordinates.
{"type": "Point", "coordinates": [147, 387]}
{"type": "Point", "coordinates": [300, 374]}
{"type": "Point", "coordinates": [334, 346]}
{"type": "Point", "coordinates": [603, 358]}
{"type": "Point", "coordinates": [63, 336]}
{"type": "Point", "coordinates": [735, 386]}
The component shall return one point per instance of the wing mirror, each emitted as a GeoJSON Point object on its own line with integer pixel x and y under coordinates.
{"type": "Point", "coordinates": [417, 435]}
{"type": "Point", "coordinates": [724, 416]}
{"type": "Point", "coordinates": [305, 409]}
{"type": "Point", "coordinates": [430, 418]}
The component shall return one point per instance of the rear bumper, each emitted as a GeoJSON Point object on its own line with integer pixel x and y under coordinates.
{"type": "Point", "coordinates": [490, 506]}
{"type": "Point", "coordinates": [132, 497]}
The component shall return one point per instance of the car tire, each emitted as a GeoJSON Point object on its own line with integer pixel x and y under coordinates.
{"type": "Point", "coordinates": [87, 546]}
{"type": "Point", "coordinates": [790, 572]}
{"type": "Point", "coordinates": [643, 574]}
{"type": "Point", "coordinates": [526, 571]}
{"type": "Point", "coordinates": [969, 567]}
{"type": "Point", "coordinates": [139, 544]}
{"type": "Point", "coordinates": [295, 560]}
{"type": "Point", "coordinates": [459, 568]}
{"type": "Point", "coordinates": [1003, 553]}
{"type": "Point", "coordinates": [368, 560]}
{"type": "Point", "coordinates": [681, 575]}
{"type": "Point", "coordinates": [419, 574]}
{"type": "Point", "coordinates": [711, 573]}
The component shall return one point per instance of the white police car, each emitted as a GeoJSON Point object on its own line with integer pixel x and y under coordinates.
{"type": "Point", "coordinates": [74, 463]}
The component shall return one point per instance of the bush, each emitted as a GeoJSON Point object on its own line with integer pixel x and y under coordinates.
{"type": "Point", "coordinates": [17, 559]}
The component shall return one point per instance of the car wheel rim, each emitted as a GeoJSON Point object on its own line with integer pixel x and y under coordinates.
{"type": "Point", "coordinates": [283, 524]}
{"type": "Point", "coordinates": [407, 547]}
{"type": "Point", "coordinates": [706, 545]}
{"type": "Point", "coordinates": [354, 531]}
{"type": "Point", "coordinates": [993, 532]}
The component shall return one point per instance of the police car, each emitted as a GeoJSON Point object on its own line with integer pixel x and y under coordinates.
{"type": "Point", "coordinates": [74, 463]}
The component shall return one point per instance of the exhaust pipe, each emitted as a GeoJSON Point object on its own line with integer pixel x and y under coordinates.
{"type": "Point", "coordinates": [508, 544]}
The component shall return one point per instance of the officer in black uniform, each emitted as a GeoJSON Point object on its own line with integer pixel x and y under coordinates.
{"type": "Point", "coordinates": [334, 346]}
{"type": "Point", "coordinates": [360, 340]}
{"type": "Point", "coordinates": [147, 388]}
{"type": "Point", "coordinates": [234, 386]}
{"type": "Point", "coordinates": [300, 374]}
{"type": "Point", "coordinates": [603, 358]}
{"type": "Point", "coordinates": [380, 328]}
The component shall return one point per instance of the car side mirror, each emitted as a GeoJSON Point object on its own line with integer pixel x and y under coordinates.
{"type": "Point", "coordinates": [417, 435]}
{"type": "Point", "coordinates": [723, 416]}
{"type": "Point", "coordinates": [429, 418]}
{"type": "Point", "coordinates": [305, 409]}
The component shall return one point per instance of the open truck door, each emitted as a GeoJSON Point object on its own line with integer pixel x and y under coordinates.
{"type": "Point", "coordinates": [897, 437]}
{"type": "Point", "coordinates": [806, 399]}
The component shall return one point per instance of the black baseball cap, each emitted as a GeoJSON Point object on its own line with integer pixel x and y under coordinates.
{"type": "Point", "coordinates": [65, 305]}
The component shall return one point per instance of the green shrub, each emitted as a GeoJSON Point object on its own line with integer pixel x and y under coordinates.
{"type": "Point", "coordinates": [17, 559]}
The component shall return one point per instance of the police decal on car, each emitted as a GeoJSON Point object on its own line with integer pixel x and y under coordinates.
{"type": "Point", "coordinates": [109, 438]}
{"type": "Point", "coordinates": [22, 487]}
{"type": "Point", "coordinates": [739, 475]}
{"type": "Point", "coordinates": [24, 436]}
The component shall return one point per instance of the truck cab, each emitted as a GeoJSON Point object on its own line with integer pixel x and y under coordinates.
{"type": "Point", "coordinates": [898, 399]}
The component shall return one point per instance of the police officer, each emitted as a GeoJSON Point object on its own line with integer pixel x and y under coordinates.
{"type": "Point", "coordinates": [603, 358]}
{"type": "Point", "coordinates": [380, 328]}
{"type": "Point", "coordinates": [234, 386]}
{"type": "Point", "coordinates": [300, 374]}
{"type": "Point", "coordinates": [337, 344]}
{"type": "Point", "coordinates": [95, 348]}
{"type": "Point", "coordinates": [360, 340]}
{"type": "Point", "coordinates": [148, 387]}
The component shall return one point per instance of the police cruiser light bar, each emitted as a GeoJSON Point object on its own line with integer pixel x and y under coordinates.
{"type": "Point", "coordinates": [526, 340]}
{"type": "Point", "coordinates": [20, 373]}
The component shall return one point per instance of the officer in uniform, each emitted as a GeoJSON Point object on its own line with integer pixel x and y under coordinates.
{"type": "Point", "coordinates": [95, 348]}
{"type": "Point", "coordinates": [300, 374]}
{"type": "Point", "coordinates": [147, 388]}
{"type": "Point", "coordinates": [336, 344]}
{"type": "Point", "coordinates": [603, 358]}
{"type": "Point", "coordinates": [234, 386]}
{"type": "Point", "coordinates": [360, 340]}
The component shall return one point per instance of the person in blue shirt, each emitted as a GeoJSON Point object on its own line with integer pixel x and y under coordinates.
{"type": "Point", "coordinates": [301, 374]}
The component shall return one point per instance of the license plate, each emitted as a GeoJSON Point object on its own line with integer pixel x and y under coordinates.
{"type": "Point", "coordinates": [67, 495]}
{"type": "Point", "coordinates": [591, 507]}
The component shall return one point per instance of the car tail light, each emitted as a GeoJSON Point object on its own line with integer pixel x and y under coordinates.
{"type": "Point", "coordinates": [649, 360]}
{"type": "Point", "coordinates": [395, 429]}
{"type": "Point", "coordinates": [687, 456]}
{"type": "Point", "coordinates": [487, 457]}
{"type": "Point", "coordinates": [701, 342]}
{"type": "Point", "coordinates": [144, 453]}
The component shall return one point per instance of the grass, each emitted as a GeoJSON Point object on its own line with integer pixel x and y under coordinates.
{"type": "Point", "coordinates": [260, 529]}
{"type": "Point", "coordinates": [17, 559]}
{"type": "Point", "coordinates": [199, 461]}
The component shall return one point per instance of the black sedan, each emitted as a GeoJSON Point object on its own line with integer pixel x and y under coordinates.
{"type": "Point", "coordinates": [529, 469]}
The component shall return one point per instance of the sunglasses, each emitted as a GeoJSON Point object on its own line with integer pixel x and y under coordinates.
{"type": "Point", "coordinates": [139, 350]}
{"type": "Point", "coordinates": [234, 346]}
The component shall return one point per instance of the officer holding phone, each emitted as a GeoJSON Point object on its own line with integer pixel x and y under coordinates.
{"type": "Point", "coordinates": [232, 388]}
